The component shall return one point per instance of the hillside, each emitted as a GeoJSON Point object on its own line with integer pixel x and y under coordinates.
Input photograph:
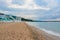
{"type": "Point", "coordinates": [12, 18]}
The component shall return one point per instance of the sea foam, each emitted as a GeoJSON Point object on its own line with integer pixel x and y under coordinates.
{"type": "Point", "coordinates": [45, 30]}
{"type": "Point", "coordinates": [51, 32]}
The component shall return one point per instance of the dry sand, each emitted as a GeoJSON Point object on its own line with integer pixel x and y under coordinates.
{"type": "Point", "coordinates": [22, 31]}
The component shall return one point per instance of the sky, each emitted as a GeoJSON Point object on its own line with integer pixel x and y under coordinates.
{"type": "Point", "coordinates": [32, 9]}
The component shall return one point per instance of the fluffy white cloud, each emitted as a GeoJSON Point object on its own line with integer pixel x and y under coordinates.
{"type": "Point", "coordinates": [57, 19]}
{"type": "Point", "coordinates": [5, 12]}
{"type": "Point", "coordinates": [31, 5]}
{"type": "Point", "coordinates": [51, 3]}
{"type": "Point", "coordinates": [28, 4]}
{"type": "Point", "coordinates": [7, 1]}
{"type": "Point", "coordinates": [31, 16]}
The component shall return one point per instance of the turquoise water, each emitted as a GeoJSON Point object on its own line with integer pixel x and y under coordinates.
{"type": "Point", "coordinates": [50, 26]}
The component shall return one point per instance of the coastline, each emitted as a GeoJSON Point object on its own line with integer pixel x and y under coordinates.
{"type": "Point", "coordinates": [23, 31]}
{"type": "Point", "coordinates": [40, 27]}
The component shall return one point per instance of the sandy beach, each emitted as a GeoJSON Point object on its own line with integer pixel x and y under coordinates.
{"type": "Point", "coordinates": [22, 31]}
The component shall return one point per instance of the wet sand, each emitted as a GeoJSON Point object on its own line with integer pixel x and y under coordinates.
{"type": "Point", "coordinates": [22, 31]}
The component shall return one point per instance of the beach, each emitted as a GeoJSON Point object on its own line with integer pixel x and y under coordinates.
{"type": "Point", "coordinates": [23, 31]}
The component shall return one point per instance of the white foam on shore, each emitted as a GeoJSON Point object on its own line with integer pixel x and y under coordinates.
{"type": "Point", "coordinates": [51, 32]}
{"type": "Point", "coordinates": [47, 31]}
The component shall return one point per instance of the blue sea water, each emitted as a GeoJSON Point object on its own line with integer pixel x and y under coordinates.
{"type": "Point", "coordinates": [49, 27]}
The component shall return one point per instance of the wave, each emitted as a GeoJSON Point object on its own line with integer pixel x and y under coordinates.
{"type": "Point", "coordinates": [51, 32]}
{"type": "Point", "coordinates": [47, 31]}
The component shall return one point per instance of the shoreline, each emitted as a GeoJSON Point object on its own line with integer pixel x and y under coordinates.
{"type": "Point", "coordinates": [47, 31]}
{"type": "Point", "coordinates": [24, 32]}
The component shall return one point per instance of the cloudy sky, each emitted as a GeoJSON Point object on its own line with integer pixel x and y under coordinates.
{"type": "Point", "coordinates": [32, 9]}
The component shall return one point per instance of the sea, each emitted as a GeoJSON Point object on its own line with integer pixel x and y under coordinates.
{"type": "Point", "coordinates": [49, 27]}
